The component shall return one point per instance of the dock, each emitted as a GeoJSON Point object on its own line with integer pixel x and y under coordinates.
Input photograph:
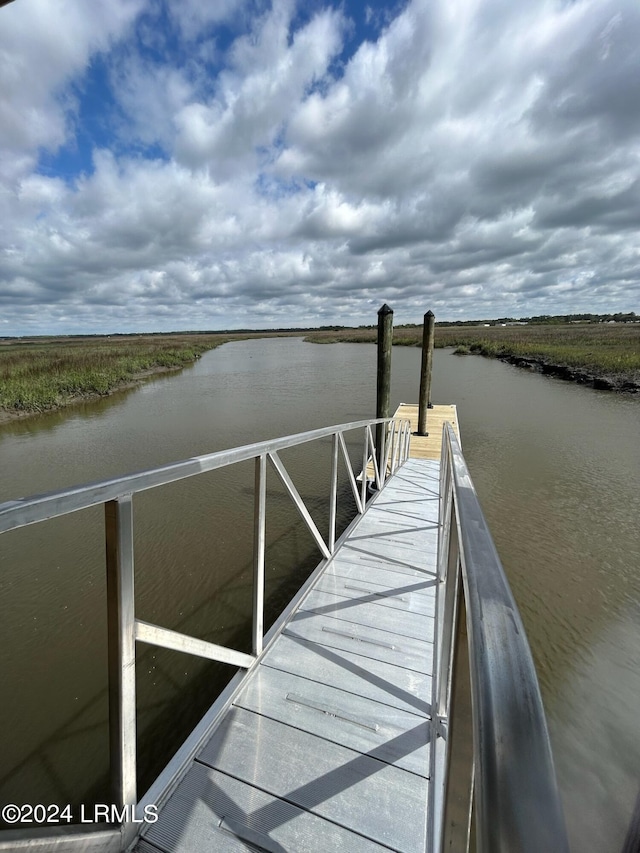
{"type": "Point", "coordinates": [326, 747]}
{"type": "Point", "coordinates": [428, 446]}
{"type": "Point", "coordinates": [394, 704]}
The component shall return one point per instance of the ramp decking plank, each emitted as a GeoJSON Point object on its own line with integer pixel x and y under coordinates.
{"type": "Point", "coordinates": [326, 745]}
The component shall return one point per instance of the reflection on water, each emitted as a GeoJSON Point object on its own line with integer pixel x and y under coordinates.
{"type": "Point", "coordinates": [558, 474]}
{"type": "Point", "coordinates": [598, 773]}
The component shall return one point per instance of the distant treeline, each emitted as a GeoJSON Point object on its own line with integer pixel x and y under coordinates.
{"type": "Point", "coordinates": [550, 319]}
{"type": "Point", "coordinates": [539, 320]}
{"type": "Point", "coordinates": [99, 335]}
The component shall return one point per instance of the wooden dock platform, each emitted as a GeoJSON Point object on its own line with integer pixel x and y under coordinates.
{"type": "Point", "coordinates": [424, 446]}
{"type": "Point", "coordinates": [429, 446]}
{"type": "Point", "coordinates": [326, 747]}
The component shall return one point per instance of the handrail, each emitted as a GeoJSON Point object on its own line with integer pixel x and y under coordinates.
{"type": "Point", "coordinates": [491, 737]}
{"type": "Point", "coordinates": [30, 510]}
{"type": "Point", "coordinates": [124, 629]}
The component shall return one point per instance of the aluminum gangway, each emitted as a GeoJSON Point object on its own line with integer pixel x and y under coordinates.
{"type": "Point", "coordinates": [394, 704]}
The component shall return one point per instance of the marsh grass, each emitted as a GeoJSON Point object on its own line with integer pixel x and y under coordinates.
{"type": "Point", "coordinates": [602, 348]}
{"type": "Point", "coordinates": [41, 374]}
{"type": "Point", "coordinates": [36, 375]}
{"type": "Point", "coordinates": [599, 347]}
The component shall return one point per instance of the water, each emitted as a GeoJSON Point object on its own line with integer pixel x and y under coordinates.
{"type": "Point", "coordinates": [557, 470]}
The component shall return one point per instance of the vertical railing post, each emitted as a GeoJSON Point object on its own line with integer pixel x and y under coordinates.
{"type": "Point", "coordinates": [405, 441]}
{"type": "Point", "coordinates": [365, 462]}
{"type": "Point", "coordinates": [450, 584]}
{"type": "Point", "coordinates": [259, 547]}
{"type": "Point", "coordinates": [452, 694]}
{"type": "Point", "coordinates": [424, 400]}
{"type": "Point", "coordinates": [383, 390]}
{"type": "Point", "coordinates": [445, 498]}
{"type": "Point", "coordinates": [333, 500]}
{"type": "Point", "coordinates": [383, 452]}
{"type": "Point", "coordinates": [392, 452]}
{"type": "Point", "coordinates": [121, 649]}
{"type": "Point", "coordinates": [447, 592]}
{"type": "Point", "coordinates": [459, 776]}
{"type": "Point", "coordinates": [407, 449]}
{"type": "Point", "coordinates": [388, 446]}
{"type": "Point", "coordinates": [374, 459]}
{"type": "Point", "coordinates": [399, 448]}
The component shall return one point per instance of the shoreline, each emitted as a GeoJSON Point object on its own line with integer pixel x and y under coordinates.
{"type": "Point", "coordinates": [621, 384]}
{"type": "Point", "coordinates": [12, 415]}
{"type": "Point", "coordinates": [600, 380]}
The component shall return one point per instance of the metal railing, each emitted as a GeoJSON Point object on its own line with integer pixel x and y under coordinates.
{"type": "Point", "coordinates": [493, 782]}
{"type": "Point", "coordinates": [125, 630]}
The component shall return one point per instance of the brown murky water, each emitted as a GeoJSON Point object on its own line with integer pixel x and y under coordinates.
{"type": "Point", "coordinates": [558, 473]}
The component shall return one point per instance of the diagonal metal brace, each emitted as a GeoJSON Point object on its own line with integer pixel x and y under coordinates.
{"type": "Point", "coordinates": [299, 503]}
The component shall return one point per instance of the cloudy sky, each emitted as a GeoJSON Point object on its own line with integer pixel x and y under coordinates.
{"type": "Point", "coordinates": [191, 164]}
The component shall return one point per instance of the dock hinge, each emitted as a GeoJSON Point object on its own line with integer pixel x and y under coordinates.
{"type": "Point", "coordinates": [441, 725]}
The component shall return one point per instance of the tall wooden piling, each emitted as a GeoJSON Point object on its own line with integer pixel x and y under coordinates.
{"type": "Point", "coordinates": [383, 396]}
{"type": "Point", "coordinates": [424, 400]}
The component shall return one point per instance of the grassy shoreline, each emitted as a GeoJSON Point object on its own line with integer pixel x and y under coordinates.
{"type": "Point", "coordinates": [602, 355]}
{"type": "Point", "coordinates": [40, 376]}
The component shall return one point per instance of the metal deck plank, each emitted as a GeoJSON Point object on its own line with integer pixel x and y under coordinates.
{"type": "Point", "coordinates": [407, 487]}
{"type": "Point", "coordinates": [341, 717]}
{"type": "Point", "coordinates": [393, 543]}
{"type": "Point", "coordinates": [415, 517]}
{"type": "Point", "coordinates": [399, 596]}
{"type": "Point", "coordinates": [418, 501]}
{"type": "Point", "coordinates": [384, 682]}
{"type": "Point", "coordinates": [365, 641]}
{"type": "Point", "coordinates": [367, 611]}
{"type": "Point", "coordinates": [369, 552]}
{"type": "Point", "coordinates": [213, 811]}
{"type": "Point", "coordinates": [415, 509]}
{"type": "Point", "coordinates": [327, 744]}
{"type": "Point", "coordinates": [355, 559]}
{"type": "Point", "coordinates": [386, 578]}
{"type": "Point", "coordinates": [356, 791]}
{"type": "Point", "coordinates": [408, 510]}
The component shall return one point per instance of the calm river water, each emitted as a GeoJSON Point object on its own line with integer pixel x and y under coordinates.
{"type": "Point", "coordinates": [557, 469]}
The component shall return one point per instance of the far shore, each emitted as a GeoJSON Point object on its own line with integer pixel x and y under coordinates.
{"type": "Point", "coordinates": [599, 381]}
{"type": "Point", "coordinates": [48, 374]}
{"type": "Point", "coordinates": [39, 372]}
{"type": "Point", "coordinates": [43, 375]}
{"type": "Point", "coordinates": [8, 415]}
{"type": "Point", "coordinates": [599, 355]}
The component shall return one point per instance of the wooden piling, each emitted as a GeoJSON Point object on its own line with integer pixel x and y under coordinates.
{"type": "Point", "coordinates": [424, 400]}
{"type": "Point", "coordinates": [383, 396]}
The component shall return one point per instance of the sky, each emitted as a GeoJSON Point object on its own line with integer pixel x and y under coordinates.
{"type": "Point", "coordinates": [190, 164]}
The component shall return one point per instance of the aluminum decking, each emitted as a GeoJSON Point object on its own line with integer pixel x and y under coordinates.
{"type": "Point", "coordinates": [326, 748]}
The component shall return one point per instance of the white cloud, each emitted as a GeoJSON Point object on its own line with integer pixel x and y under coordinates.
{"type": "Point", "coordinates": [479, 158]}
{"type": "Point", "coordinates": [43, 48]}
{"type": "Point", "coordinates": [254, 95]}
